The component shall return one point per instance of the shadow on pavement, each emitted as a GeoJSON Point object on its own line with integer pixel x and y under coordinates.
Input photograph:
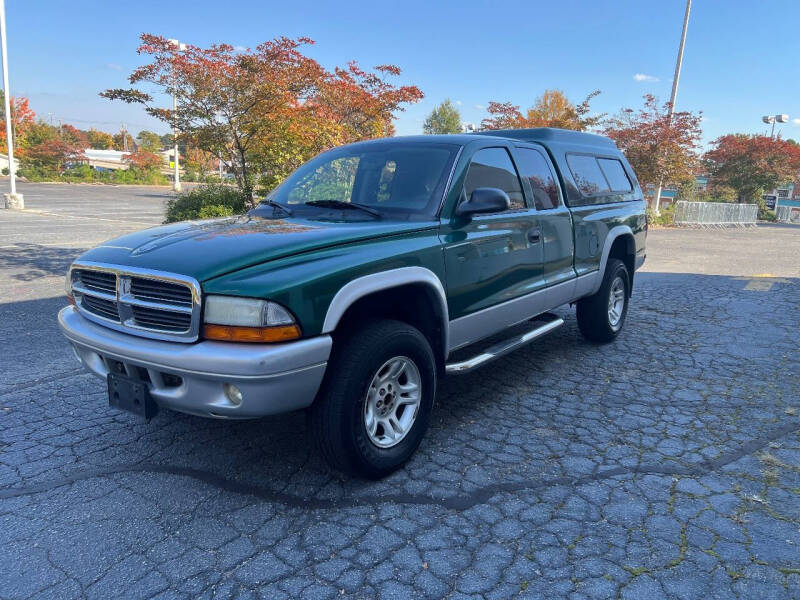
{"type": "Point", "coordinates": [36, 261]}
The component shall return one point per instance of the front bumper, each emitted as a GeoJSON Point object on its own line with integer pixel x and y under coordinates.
{"type": "Point", "coordinates": [273, 378]}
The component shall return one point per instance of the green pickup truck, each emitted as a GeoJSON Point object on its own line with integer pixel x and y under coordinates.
{"type": "Point", "coordinates": [370, 273]}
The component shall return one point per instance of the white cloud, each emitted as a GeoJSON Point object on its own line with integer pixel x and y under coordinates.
{"type": "Point", "coordinates": [644, 77]}
{"type": "Point", "coordinates": [458, 102]}
{"type": "Point", "coordinates": [796, 121]}
{"type": "Point", "coordinates": [480, 107]}
{"type": "Point", "coordinates": [240, 48]}
{"type": "Point", "coordinates": [114, 66]}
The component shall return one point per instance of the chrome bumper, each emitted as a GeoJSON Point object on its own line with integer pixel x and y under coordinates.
{"type": "Point", "coordinates": [273, 378]}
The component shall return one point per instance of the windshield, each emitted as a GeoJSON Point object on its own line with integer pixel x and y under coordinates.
{"type": "Point", "coordinates": [396, 179]}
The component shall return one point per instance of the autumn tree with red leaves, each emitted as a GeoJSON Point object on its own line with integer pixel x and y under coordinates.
{"type": "Point", "coordinates": [660, 147]}
{"type": "Point", "coordinates": [551, 109]}
{"type": "Point", "coordinates": [268, 109]}
{"type": "Point", "coordinates": [752, 164]}
{"type": "Point", "coordinates": [143, 160]}
{"type": "Point", "coordinates": [22, 117]}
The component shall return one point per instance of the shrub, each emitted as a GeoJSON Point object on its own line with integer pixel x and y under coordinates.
{"type": "Point", "coordinates": [662, 220]}
{"type": "Point", "coordinates": [206, 202]}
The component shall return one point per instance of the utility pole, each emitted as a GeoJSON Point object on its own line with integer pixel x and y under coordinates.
{"type": "Point", "coordinates": [12, 199]}
{"type": "Point", "coordinates": [176, 183]}
{"type": "Point", "coordinates": [674, 95]}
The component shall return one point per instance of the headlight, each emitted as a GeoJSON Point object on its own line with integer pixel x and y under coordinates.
{"type": "Point", "coordinates": [235, 319]}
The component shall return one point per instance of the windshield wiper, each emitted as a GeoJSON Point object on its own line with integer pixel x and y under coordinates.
{"type": "Point", "coordinates": [343, 204]}
{"type": "Point", "coordinates": [277, 205]}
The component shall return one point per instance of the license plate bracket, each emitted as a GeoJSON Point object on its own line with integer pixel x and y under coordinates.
{"type": "Point", "coordinates": [132, 395]}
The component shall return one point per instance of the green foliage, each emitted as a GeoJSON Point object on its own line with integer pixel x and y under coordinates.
{"type": "Point", "coordinates": [206, 202]}
{"type": "Point", "coordinates": [445, 118]}
{"type": "Point", "coordinates": [149, 141]}
{"type": "Point", "coordinates": [662, 220]}
{"type": "Point", "coordinates": [85, 174]}
{"type": "Point", "coordinates": [765, 214]}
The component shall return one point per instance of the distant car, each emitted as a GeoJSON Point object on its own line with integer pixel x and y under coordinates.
{"type": "Point", "coordinates": [372, 271]}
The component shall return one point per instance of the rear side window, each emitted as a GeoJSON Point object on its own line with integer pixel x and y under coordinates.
{"type": "Point", "coordinates": [615, 174]}
{"type": "Point", "coordinates": [534, 168]}
{"type": "Point", "coordinates": [492, 167]}
{"type": "Point", "coordinates": [587, 174]}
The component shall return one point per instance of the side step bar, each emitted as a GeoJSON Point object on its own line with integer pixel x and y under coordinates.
{"type": "Point", "coordinates": [502, 348]}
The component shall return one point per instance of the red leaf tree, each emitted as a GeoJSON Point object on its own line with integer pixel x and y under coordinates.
{"type": "Point", "coordinates": [241, 106]}
{"type": "Point", "coordinates": [752, 164]}
{"type": "Point", "coordinates": [22, 117]}
{"type": "Point", "coordinates": [143, 160]}
{"type": "Point", "coordinates": [660, 147]}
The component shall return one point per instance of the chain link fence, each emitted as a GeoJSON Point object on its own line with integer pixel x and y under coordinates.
{"type": "Point", "coordinates": [714, 214]}
{"type": "Point", "coordinates": [787, 214]}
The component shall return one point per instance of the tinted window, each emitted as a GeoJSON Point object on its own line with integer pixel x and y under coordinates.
{"type": "Point", "coordinates": [393, 177]}
{"type": "Point", "coordinates": [615, 174]}
{"type": "Point", "coordinates": [588, 176]}
{"type": "Point", "coordinates": [492, 167]}
{"type": "Point", "coordinates": [534, 168]}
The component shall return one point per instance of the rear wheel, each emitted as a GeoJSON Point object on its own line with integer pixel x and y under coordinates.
{"type": "Point", "coordinates": [375, 404]}
{"type": "Point", "coordinates": [602, 315]}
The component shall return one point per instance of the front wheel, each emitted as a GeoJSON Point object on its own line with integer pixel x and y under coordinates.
{"type": "Point", "coordinates": [375, 404]}
{"type": "Point", "coordinates": [602, 315]}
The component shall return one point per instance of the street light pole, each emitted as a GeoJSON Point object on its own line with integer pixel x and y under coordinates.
{"type": "Point", "coordinates": [674, 95]}
{"type": "Point", "coordinates": [12, 200]}
{"type": "Point", "coordinates": [176, 183]}
{"type": "Point", "coordinates": [774, 119]}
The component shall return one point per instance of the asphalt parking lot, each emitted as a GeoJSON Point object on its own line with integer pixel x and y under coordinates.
{"type": "Point", "coordinates": [666, 464]}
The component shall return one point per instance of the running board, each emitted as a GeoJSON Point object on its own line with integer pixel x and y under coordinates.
{"type": "Point", "coordinates": [502, 348]}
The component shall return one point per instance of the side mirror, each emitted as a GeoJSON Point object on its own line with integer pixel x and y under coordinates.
{"type": "Point", "coordinates": [484, 200]}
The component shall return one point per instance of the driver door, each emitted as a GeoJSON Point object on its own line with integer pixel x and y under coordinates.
{"type": "Point", "coordinates": [493, 261]}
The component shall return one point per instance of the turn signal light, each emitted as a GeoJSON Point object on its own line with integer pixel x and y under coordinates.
{"type": "Point", "coordinates": [234, 333]}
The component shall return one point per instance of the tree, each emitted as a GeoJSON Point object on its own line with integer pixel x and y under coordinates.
{"type": "Point", "coordinates": [445, 118]}
{"type": "Point", "coordinates": [44, 149]}
{"type": "Point", "coordinates": [239, 104]}
{"type": "Point", "coordinates": [119, 140]}
{"type": "Point", "coordinates": [149, 141]}
{"type": "Point", "coordinates": [660, 148]}
{"type": "Point", "coordinates": [22, 118]}
{"type": "Point", "coordinates": [752, 164]}
{"type": "Point", "coordinates": [551, 109]}
{"type": "Point", "coordinates": [198, 161]}
{"type": "Point", "coordinates": [142, 160]}
{"type": "Point", "coordinates": [100, 140]}
{"type": "Point", "coordinates": [73, 135]}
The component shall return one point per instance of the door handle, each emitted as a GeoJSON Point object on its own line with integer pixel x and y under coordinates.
{"type": "Point", "coordinates": [534, 236]}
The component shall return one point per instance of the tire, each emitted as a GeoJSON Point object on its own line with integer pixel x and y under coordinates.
{"type": "Point", "coordinates": [596, 320]}
{"type": "Point", "coordinates": [340, 416]}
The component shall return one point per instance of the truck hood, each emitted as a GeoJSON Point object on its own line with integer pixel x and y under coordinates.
{"type": "Point", "coordinates": [208, 249]}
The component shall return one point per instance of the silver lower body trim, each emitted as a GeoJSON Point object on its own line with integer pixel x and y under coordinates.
{"type": "Point", "coordinates": [273, 378]}
{"type": "Point", "coordinates": [483, 323]}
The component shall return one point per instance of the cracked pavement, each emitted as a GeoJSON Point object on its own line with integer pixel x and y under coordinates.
{"type": "Point", "coordinates": [664, 465]}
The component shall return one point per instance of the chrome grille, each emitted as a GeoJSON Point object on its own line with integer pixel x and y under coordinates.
{"type": "Point", "coordinates": [96, 281]}
{"type": "Point", "coordinates": [161, 319]}
{"type": "Point", "coordinates": [152, 290]}
{"type": "Point", "coordinates": [100, 306]}
{"type": "Point", "coordinates": [141, 302]}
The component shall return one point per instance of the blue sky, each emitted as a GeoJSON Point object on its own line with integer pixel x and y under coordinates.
{"type": "Point", "coordinates": [740, 60]}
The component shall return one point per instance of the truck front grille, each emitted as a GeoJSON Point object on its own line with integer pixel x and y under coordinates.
{"type": "Point", "coordinates": [145, 303]}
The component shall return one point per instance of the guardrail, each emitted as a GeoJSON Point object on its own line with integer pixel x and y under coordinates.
{"type": "Point", "coordinates": [714, 214]}
{"type": "Point", "coordinates": [785, 214]}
